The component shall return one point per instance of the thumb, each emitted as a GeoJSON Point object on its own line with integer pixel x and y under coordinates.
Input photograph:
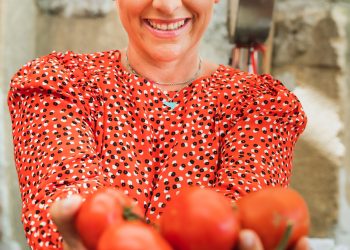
{"type": "Point", "coordinates": [249, 240]}
{"type": "Point", "coordinates": [302, 244]}
{"type": "Point", "coordinates": [63, 215]}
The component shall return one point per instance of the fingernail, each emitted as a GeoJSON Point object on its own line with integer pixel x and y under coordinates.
{"type": "Point", "coordinates": [247, 239]}
{"type": "Point", "coordinates": [71, 200]}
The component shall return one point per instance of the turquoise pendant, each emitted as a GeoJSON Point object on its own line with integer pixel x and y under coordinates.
{"type": "Point", "coordinates": [171, 105]}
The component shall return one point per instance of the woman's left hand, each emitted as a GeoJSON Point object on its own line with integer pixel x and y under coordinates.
{"type": "Point", "coordinates": [249, 240]}
{"type": "Point", "coordinates": [63, 215]}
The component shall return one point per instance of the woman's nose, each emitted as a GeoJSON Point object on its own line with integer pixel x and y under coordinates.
{"type": "Point", "coordinates": [167, 6]}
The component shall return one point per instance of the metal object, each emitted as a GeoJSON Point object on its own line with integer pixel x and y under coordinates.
{"type": "Point", "coordinates": [250, 21]}
{"type": "Point", "coordinates": [250, 24]}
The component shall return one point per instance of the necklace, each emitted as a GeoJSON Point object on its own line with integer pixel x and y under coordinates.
{"type": "Point", "coordinates": [169, 103]}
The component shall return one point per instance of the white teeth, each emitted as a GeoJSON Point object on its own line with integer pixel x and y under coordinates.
{"type": "Point", "coordinates": [167, 27]}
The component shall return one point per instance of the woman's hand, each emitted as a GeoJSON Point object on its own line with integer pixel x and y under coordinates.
{"type": "Point", "coordinates": [249, 240]}
{"type": "Point", "coordinates": [63, 214]}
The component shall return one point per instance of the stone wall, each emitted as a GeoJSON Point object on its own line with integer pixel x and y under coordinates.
{"type": "Point", "coordinates": [81, 35]}
{"type": "Point", "coordinates": [76, 8]}
{"type": "Point", "coordinates": [17, 45]}
{"type": "Point", "coordinates": [310, 49]}
{"type": "Point", "coordinates": [343, 228]}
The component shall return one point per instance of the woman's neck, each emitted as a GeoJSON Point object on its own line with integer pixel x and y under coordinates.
{"type": "Point", "coordinates": [178, 70]}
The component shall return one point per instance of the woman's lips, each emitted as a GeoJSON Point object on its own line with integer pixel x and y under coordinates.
{"type": "Point", "coordinates": [167, 28]}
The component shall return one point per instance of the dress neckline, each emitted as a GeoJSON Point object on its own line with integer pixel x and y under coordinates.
{"type": "Point", "coordinates": [179, 96]}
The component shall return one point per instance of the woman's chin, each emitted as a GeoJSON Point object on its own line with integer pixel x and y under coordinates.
{"type": "Point", "coordinates": [167, 53]}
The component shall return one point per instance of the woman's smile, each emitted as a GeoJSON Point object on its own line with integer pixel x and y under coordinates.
{"type": "Point", "coordinates": [167, 28]}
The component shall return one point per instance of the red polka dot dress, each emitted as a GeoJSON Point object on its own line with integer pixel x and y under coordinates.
{"type": "Point", "coordinates": [81, 121]}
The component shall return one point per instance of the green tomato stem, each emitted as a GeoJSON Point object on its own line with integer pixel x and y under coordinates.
{"type": "Point", "coordinates": [129, 215]}
{"type": "Point", "coordinates": [286, 235]}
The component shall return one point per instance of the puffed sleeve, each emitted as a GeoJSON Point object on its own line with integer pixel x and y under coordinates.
{"type": "Point", "coordinates": [54, 109]}
{"type": "Point", "coordinates": [264, 121]}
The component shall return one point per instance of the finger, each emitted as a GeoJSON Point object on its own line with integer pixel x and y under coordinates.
{"type": "Point", "coordinates": [302, 244]}
{"type": "Point", "coordinates": [63, 214]}
{"type": "Point", "coordinates": [249, 240]}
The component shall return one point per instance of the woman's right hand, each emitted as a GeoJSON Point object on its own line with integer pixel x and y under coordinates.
{"type": "Point", "coordinates": [63, 215]}
{"type": "Point", "coordinates": [249, 240]}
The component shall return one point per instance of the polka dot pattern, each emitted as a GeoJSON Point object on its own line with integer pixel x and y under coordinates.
{"type": "Point", "coordinates": [81, 121]}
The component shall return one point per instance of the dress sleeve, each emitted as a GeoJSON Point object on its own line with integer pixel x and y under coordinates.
{"type": "Point", "coordinates": [257, 146]}
{"type": "Point", "coordinates": [54, 110]}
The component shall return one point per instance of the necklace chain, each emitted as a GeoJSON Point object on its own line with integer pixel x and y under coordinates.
{"type": "Point", "coordinates": [187, 82]}
{"type": "Point", "coordinates": [170, 102]}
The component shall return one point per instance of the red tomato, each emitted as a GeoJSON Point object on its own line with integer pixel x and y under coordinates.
{"type": "Point", "coordinates": [269, 211]}
{"type": "Point", "coordinates": [99, 210]}
{"type": "Point", "coordinates": [132, 235]}
{"type": "Point", "coordinates": [200, 219]}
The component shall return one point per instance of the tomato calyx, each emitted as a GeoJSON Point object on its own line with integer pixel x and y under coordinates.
{"type": "Point", "coordinates": [282, 245]}
{"type": "Point", "coordinates": [129, 215]}
{"type": "Point", "coordinates": [234, 206]}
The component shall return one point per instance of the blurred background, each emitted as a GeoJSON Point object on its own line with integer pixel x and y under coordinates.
{"type": "Point", "coordinates": [310, 54]}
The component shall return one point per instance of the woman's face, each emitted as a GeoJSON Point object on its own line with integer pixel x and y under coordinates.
{"type": "Point", "coordinates": [165, 29]}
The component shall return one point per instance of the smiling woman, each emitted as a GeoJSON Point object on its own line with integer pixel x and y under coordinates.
{"type": "Point", "coordinates": [150, 120]}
